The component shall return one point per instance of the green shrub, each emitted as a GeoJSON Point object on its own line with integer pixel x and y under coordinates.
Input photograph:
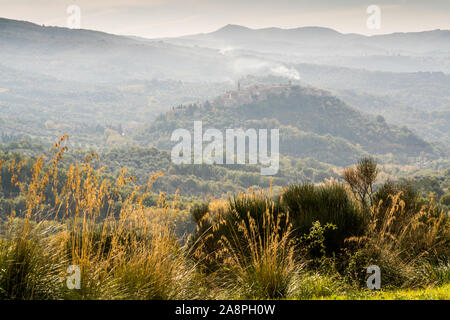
{"type": "Point", "coordinates": [212, 227]}
{"type": "Point", "coordinates": [436, 274]}
{"type": "Point", "coordinates": [394, 272]}
{"type": "Point", "coordinates": [445, 199]}
{"type": "Point", "coordinates": [311, 286]}
{"type": "Point", "coordinates": [383, 196]}
{"type": "Point", "coordinates": [328, 204]}
{"type": "Point", "coordinates": [257, 257]}
{"type": "Point", "coordinates": [401, 243]}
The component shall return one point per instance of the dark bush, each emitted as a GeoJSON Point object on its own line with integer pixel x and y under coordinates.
{"type": "Point", "coordinates": [220, 225]}
{"type": "Point", "coordinates": [307, 203]}
{"type": "Point", "coordinates": [383, 198]}
{"type": "Point", "coordinates": [445, 199]}
{"type": "Point", "coordinates": [198, 211]}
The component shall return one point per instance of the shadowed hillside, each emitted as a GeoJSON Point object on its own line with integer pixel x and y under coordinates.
{"type": "Point", "coordinates": [311, 121]}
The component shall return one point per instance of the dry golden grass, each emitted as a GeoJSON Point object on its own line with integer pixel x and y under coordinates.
{"type": "Point", "coordinates": [134, 253]}
{"type": "Point", "coordinates": [402, 243]}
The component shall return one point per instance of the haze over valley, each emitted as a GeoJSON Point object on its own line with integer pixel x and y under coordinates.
{"type": "Point", "coordinates": [198, 149]}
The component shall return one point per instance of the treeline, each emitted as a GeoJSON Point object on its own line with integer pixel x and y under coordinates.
{"type": "Point", "coordinates": [194, 182]}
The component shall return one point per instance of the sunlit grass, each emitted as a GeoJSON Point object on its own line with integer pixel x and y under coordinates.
{"type": "Point", "coordinates": [245, 247]}
{"type": "Point", "coordinates": [432, 293]}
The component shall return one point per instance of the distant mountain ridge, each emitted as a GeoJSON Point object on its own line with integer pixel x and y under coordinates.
{"type": "Point", "coordinates": [395, 52]}
{"type": "Point", "coordinates": [415, 42]}
{"type": "Point", "coordinates": [93, 56]}
{"type": "Point", "coordinates": [226, 54]}
{"type": "Point", "coordinates": [230, 29]}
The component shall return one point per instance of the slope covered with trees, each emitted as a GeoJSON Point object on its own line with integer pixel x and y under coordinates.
{"type": "Point", "coordinates": [312, 123]}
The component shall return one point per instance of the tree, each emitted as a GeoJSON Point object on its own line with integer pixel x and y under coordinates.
{"type": "Point", "coordinates": [361, 179]}
{"type": "Point", "coordinates": [445, 199]}
{"type": "Point", "coordinates": [380, 119]}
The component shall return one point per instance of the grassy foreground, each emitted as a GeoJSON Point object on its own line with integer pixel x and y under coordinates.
{"type": "Point", "coordinates": [433, 293]}
{"type": "Point", "coordinates": [310, 242]}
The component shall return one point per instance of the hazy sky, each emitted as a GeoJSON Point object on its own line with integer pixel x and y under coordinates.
{"type": "Point", "coordinates": [161, 18]}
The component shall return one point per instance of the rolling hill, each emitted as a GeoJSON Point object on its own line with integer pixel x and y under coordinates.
{"type": "Point", "coordinates": [312, 123]}
{"type": "Point", "coordinates": [91, 56]}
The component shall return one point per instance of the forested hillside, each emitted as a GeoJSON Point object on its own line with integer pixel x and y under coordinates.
{"type": "Point", "coordinates": [418, 100]}
{"type": "Point", "coordinates": [312, 123]}
{"type": "Point", "coordinates": [95, 115]}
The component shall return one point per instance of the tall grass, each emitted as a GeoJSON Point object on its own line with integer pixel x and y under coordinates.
{"type": "Point", "coordinates": [30, 266]}
{"type": "Point", "coordinates": [124, 257]}
{"type": "Point", "coordinates": [245, 247]}
{"type": "Point", "coordinates": [259, 254]}
{"type": "Point", "coordinates": [401, 247]}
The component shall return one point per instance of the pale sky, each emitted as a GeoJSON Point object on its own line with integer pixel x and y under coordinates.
{"type": "Point", "coordinates": [166, 18]}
